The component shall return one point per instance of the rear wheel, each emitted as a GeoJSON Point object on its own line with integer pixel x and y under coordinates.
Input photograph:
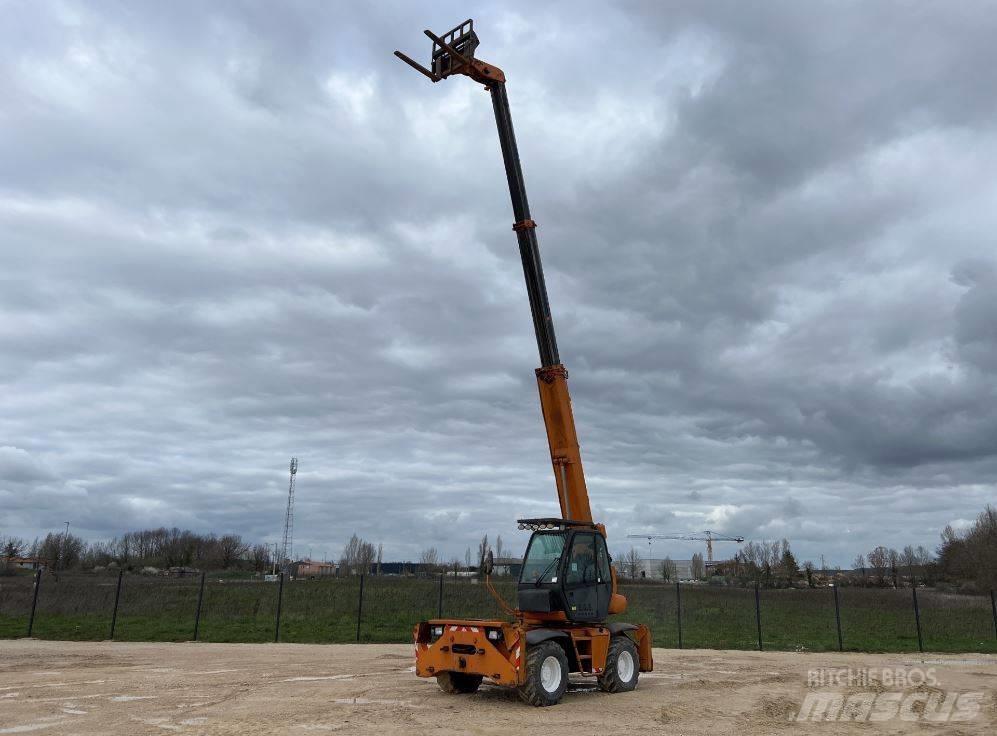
{"type": "Point", "coordinates": [455, 683]}
{"type": "Point", "coordinates": [622, 666]}
{"type": "Point", "coordinates": [546, 674]}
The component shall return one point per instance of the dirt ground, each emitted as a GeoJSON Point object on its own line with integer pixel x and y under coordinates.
{"type": "Point", "coordinates": [49, 687]}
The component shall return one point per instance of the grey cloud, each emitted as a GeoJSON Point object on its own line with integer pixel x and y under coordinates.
{"type": "Point", "coordinates": [18, 467]}
{"type": "Point", "coordinates": [239, 233]}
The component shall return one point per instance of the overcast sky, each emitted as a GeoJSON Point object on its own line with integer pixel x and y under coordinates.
{"type": "Point", "coordinates": [235, 232]}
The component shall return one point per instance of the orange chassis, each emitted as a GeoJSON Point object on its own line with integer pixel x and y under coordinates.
{"type": "Point", "coordinates": [465, 647]}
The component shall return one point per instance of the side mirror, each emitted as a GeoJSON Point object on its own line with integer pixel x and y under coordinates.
{"type": "Point", "coordinates": [489, 563]}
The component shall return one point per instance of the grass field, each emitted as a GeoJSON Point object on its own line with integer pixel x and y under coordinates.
{"type": "Point", "coordinates": [163, 609]}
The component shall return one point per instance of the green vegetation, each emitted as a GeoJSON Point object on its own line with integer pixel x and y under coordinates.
{"type": "Point", "coordinates": [163, 609]}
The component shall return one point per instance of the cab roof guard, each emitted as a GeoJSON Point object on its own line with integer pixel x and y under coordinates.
{"type": "Point", "coordinates": [552, 523]}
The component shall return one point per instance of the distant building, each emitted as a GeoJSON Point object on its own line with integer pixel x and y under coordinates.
{"type": "Point", "coordinates": [312, 569]}
{"type": "Point", "coordinates": [397, 568]}
{"type": "Point", "coordinates": [26, 563]}
{"type": "Point", "coordinates": [507, 566]}
{"type": "Point", "coordinates": [409, 568]}
{"type": "Point", "coordinates": [652, 568]}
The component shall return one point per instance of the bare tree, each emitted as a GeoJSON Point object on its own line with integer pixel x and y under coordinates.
{"type": "Point", "coordinates": [366, 557]}
{"type": "Point", "coordinates": [698, 568]}
{"type": "Point", "coordinates": [380, 555]}
{"type": "Point", "coordinates": [358, 555]}
{"type": "Point", "coordinates": [123, 548]}
{"type": "Point", "coordinates": [808, 570]}
{"type": "Point", "coordinates": [231, 548]}
{"type": "Point", "coordinates": [787, 562]}
{"type": "Point", "coordinates": [859, 564]}
{"type": "Point", "coordinates": [908, 559]}
{"type": "Point", "coordinates": [498, 546]}
{"type": "Point", "coordinates": [13, 547]}
{"type": "Point", "coordinates": [879, 560]}
{"type": "Point", "coordinates": [927, 563]}
{"type": "Point", "coordinates": [972, 555]}
{"type": "Point", "coordinates": [482, 552]}
{"type": "Point", "coordinates": [894, 559]}
{"type": "Point", "coordinates": [62, 549]}
{"type": "Point", "coordinates": [429, 559]}
{"type": "Point", "coordinates": [260, 555]}
{"type": "Point", "coordinates": [632, 564]}
{"type": "Point", "coordinates": [668, 570]}
{"type": "Point", "coordinates": [760, 554]}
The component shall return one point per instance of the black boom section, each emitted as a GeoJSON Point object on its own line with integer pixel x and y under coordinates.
{"type": "Point", "coordinates": [529, 248]}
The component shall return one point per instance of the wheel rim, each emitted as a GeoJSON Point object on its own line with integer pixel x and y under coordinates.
{"type": "Point", "coordinates": [550, 674]}
{"type": "Point", "coordinates": [625, 666]}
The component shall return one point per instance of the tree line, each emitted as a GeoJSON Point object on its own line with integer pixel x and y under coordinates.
{"type": "Point", "coordinates": [964, 561]}
{"type": "Point", "coordinates": [971, 557]}
{"type": "Point", "coordinates": [159, 548]}
{"type": "Point", "coordinates": [967, 559]}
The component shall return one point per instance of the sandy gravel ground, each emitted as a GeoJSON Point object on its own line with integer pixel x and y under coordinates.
{"type": "Point", "coordinates": [118, 688]}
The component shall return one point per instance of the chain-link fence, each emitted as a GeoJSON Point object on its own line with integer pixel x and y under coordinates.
{"type": "Point", "coordinates": [384, 608]}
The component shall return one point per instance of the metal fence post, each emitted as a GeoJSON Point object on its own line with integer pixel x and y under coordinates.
{"type": "Point", "coordinates": [200, 600]}
{"type": "Point", "coordinates": [758, 616]}
{"type": "Point", "coordinates": [439, 607]}
{"type": "Point", "coordinates": [993, 609]}
{"type": "Point", "coordinates": [678, 609]}
{"type": "Point", "coordinates": [34, 600]}
{"type": "Point", "coordinates": [280, 600]}
{"type": "Point", "coordinates": [359, 607]}
{"type": "Point", "coordinates": [917, 620]}
{"type": "Point", "coordinates": [837, 618]}
{"type": "Point", "coordinates": [117, 598]}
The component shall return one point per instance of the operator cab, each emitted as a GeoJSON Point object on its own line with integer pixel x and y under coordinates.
{"type": "Point", "coordinates": [566, 569]}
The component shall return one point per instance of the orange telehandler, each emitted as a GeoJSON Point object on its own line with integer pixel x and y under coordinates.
{"type": "Point", "coordinates": [567, 587]}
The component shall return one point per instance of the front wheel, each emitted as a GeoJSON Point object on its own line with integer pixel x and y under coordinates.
{"type": "Point", "coordinates": [546, 674]}
{"type": "Point", "coordinates": [454, 683]}
{"type": "Point", "coordinates": [622, 666]}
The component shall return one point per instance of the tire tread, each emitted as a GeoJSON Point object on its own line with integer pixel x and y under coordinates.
{"type": "Point", "coordinates": [532, 690]}
{"type": "Point", "coordinates": [609, 680]}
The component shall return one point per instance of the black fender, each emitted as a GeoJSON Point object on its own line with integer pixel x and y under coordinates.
{"type": "Point", "coordinates": [641, 637]}
{"type": "Point", "coordinates": [618, 627]}
{"type": "Point", "coordinates": [535, 636]}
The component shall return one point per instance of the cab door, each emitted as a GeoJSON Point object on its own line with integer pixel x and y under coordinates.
{"type": "Point", "coordinates": [604, 578]}
{"type": "Point", "coordinates": [581, 578]}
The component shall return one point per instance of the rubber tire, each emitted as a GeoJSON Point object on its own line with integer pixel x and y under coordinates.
{"type": "Point", "coordinates": [609, 680]}
{"type": "Point", "coordinates": [533, 691]}
{"type": "Point", "coordinates": [458, 683]}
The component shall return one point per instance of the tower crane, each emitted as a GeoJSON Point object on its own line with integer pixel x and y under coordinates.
{"type": "Point", "coordinates": [567, 587]}
{"type": "Point", "coordinates": [707, 536]}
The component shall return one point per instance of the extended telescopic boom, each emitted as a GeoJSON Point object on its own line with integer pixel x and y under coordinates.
{"type": "Point", "coordinates": [453, 53]}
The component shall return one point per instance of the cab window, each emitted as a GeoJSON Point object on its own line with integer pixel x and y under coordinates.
{"type": "Point", "coordinates": [582, 562]}
{"type": "Point", "coordinates": [540, 564]}
{"type": "Point", "coordinates": [602, 558]}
